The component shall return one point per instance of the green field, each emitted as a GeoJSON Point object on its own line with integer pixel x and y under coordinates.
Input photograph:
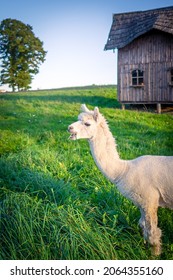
{"type": "Point", "coordinates": [55, 203]}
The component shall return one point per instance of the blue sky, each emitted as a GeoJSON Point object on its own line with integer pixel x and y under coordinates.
{"type": "Point", "coordinates": [74, 33]}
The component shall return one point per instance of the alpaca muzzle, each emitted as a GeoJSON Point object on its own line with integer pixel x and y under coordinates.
{"type": "Point", "coordinates": [73, 134]}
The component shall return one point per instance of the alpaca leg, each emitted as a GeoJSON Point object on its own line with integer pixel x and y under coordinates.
{"type": "Point", "coordinates": [151, 232]}
{"type": "Point", "coordinates": [154, 233]}
{"type": "Point", "coordinates": [142, 220]}
{"type": "Point", "coordinates": [142, 223]}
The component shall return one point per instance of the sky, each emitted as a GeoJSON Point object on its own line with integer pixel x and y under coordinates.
{"type": "Point", "coordinates": [74, 33]}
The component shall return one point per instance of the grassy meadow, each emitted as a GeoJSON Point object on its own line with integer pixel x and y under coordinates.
{"type": "Point", "coordinates": [54, 202]}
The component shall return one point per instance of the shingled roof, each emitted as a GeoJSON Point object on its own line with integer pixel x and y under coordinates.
{"type": "Point", "coordinates": [128, 26]}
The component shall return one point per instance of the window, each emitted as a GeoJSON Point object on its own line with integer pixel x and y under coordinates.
{"type": "Point", "coordinates": [137, 78]}
{"type": "Point", "coordinates": [171, 76]}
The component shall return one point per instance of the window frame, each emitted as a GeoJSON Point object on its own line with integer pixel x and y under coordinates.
{"type": "Point", "coordinates": [137, 78]}
{"type": "Point", "coordinates": [171, 76]}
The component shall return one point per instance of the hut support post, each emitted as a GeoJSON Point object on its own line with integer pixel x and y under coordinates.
{"type": "Point", "coordinates": [159, 109]}
{"type": "Point", "coordinates": [123, 106]}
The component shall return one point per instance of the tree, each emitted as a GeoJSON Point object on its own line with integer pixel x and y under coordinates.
{"type": "Point", "coordinates": [21, 54]}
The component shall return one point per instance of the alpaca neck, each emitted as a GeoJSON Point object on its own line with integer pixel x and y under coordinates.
{"type": "Point", "coordinates": [104, 152]}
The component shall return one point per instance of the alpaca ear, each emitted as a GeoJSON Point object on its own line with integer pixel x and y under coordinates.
{"type": "Point", "coordinates": [84, 108]}
{"type": "Point", "coordinates": [96, 113]}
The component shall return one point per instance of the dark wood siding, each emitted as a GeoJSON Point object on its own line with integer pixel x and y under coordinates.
{"type": "Point", "coordinates": [153, 54]}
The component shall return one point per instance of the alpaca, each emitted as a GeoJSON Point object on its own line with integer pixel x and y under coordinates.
{"type": "Point", "coordinates": [147, 180]}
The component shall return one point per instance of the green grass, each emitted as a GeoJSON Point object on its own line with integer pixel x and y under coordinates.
{"type": "Point", "coordinates": [55, 203]}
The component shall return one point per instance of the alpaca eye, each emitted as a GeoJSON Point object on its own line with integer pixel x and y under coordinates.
{"type": "Point", "coordinates": [87, 124]}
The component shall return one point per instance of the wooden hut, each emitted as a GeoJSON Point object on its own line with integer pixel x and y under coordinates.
{"type": "Point", "coordinates": [145, 56]}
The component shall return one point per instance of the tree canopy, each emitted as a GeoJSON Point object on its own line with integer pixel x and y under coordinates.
{"type": "Point", "coordinates": [21, 54]}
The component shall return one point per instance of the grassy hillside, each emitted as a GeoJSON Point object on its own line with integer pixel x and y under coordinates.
{"type": "Point", "coordinates": [55, 203]}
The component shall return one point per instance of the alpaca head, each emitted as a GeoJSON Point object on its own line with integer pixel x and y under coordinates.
{"type": "Point", "coordinates": [86, 126]}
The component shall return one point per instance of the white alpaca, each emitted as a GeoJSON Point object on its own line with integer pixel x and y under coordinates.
{"type": "Point", "coordinates": [146, 180]}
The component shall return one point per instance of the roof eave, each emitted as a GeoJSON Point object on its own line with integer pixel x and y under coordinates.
{"type": "Point", "coordinates": [113, 46]}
